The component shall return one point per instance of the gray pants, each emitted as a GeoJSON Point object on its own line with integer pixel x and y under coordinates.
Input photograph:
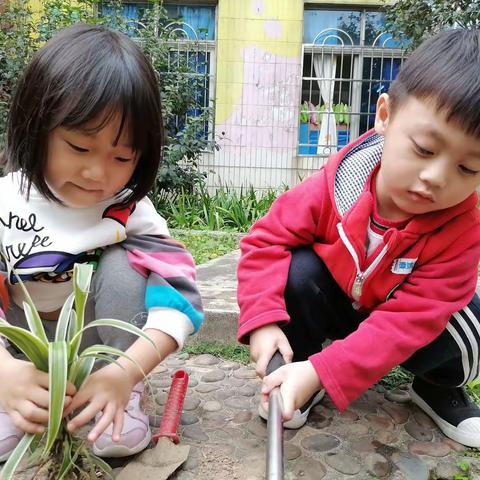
{"type": "Point", "coordinates": [117, 291]}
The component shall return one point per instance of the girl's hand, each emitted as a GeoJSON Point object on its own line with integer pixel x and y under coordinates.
{"type": "Point", "coordinates": [298, 382]}
{"type": "Point", "coordinates": [107, 390]}
{"type": "Point", "coordinates": [264, 342]}
{"type": "Point", "coordinates": [24, 394]}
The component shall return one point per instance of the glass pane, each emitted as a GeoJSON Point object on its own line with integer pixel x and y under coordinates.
{"type": "Point", "coordinates": [332, 27]}
{"type": "Point", "coordinates": [375, 32]}
{"type": "Point", "coordinates": [378, 74]}
{"type": "Point", "coordinates": [199, 20]}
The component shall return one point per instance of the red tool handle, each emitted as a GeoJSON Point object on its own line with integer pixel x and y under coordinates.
{"type": "Point", "coordinates": [173, 407]}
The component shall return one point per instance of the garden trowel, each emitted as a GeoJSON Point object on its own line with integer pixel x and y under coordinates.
{"type": "Point", "coordinates": [159, 462]}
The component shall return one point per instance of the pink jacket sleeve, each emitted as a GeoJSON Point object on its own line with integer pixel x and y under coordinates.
{"type": "Point", "coordinates": [265, 260]}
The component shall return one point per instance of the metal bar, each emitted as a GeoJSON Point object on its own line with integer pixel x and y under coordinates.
{"type": "Point", "coordinates": [275, 436]}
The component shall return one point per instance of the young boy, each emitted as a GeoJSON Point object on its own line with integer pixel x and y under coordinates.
{"type": "Point", "coordinates": [379, 250]}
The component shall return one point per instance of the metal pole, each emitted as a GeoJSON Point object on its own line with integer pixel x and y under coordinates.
{"type": "Point", "coordinates": [275, 436]}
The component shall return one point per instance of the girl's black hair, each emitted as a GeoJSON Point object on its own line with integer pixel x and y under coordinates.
{"type": "Point", "coordinates": [445, 70]}
{"type": "Point", "coordinates": [85, 73]}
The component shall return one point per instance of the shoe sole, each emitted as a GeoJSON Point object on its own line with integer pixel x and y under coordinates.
{"type": "Point", "coordinates": [465, 438]}
{"type": "Point", "coordinates": [298, 420]}
{"type": "Point", "coordinates": [118, 451]}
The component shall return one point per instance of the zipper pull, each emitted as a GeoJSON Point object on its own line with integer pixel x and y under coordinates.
{"type": "Point", "coordinates": [357, 286]}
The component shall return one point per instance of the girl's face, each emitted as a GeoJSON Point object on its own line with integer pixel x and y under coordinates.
{"type": "Point", "coordinates": [84, 168]}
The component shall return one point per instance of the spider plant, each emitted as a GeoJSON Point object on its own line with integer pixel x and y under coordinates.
{"type": "Point", "coordinates": [57, 453]}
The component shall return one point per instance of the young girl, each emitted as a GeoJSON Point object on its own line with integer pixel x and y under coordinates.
{"type": "Point", "coordinates": [83, 146]}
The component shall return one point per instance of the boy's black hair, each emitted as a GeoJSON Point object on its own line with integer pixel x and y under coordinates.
{"type": "Point", "coordinates": [85, 73]}
{"type": "Point", "coordinates": [446, 70]}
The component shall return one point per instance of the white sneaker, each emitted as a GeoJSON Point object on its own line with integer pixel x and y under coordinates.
{"type": "Point", "coordinates": [300, 415]}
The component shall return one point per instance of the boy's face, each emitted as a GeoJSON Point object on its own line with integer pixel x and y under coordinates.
{"type": "Point", "coordinates": [428, 164]}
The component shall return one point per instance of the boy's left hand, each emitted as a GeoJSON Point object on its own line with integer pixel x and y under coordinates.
{"type": "Point", "coordinates": [107, 390]}
{"type": "Point", "coordinates": [298, 381]}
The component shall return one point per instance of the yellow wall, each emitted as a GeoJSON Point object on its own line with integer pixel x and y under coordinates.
{"type": "Point", "coordinates": [270, 25]}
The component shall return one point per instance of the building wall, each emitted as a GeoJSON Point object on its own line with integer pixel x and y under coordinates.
{"type": "Point", "coordinates": [258, 80]}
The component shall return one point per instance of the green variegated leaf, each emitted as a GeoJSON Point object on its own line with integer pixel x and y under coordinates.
{"type": "Point", "coordinates": [82, 275]}
{"type": "Point", "coordinates": [34, 322]}
{"type": "Point", "coordinates": [80, 370]}
{"type": "Point", "coordinates": [33, 318]}
{"type": "Point", "coordinates": [64, 319]}
{"type": "Point", "coordinates": [57, 373]}
{"type": "Point", "coordinates": [34, 349]}
{"type": "Point", "coordinates": [107, 350]}
{"type": "Point", "coordinates": [14, 459]}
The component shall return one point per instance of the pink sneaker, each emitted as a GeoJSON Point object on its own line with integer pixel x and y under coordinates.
{"type": "Point", "coordinates": [135, 434]}
{"type": "Point", "coordinates": [10, 435]}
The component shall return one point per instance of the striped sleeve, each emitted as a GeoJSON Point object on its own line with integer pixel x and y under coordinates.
{"type": "Point", "coordinates": [171, 298]}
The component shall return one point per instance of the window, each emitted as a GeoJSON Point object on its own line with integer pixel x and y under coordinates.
{"type": "Point", "coordinates": [348, 61]}
{"type": "Point", "coordinates": [192, 43]}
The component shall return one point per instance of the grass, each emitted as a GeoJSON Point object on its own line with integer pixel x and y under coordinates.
{"type": "Point", "coordinates": [230, 351]}
{"type": "Point", "coordinates": [205, 245]}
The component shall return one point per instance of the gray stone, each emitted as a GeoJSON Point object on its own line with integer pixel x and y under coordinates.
{"type": "Point", "coordinates": [212, 406]}
{"type": "Point", "coordinates": [191, 403]}
{"type": "Point", "coordinates": [207, 388]}
{"type": "Point", "coordinates": [245, 373]}
{"type": "Point", "coordinates": [183, 355]}
{"type": "Point", "coordinates": [195, 432]}
{"type": "Point", "coordinates": [174, 362]}
{"type": "Point", "coordinates": [229, 366]}
{"type": "Point", "coordinates": [163, 382]}
{"type": "Point", "coordinates": [247, 391]}
{"type": "Point", "coordinates": [398, 413]}
{"type": "Point", "coordinates": [348, 416]}
{"type": "Point", "coordinates": [213, 376]}
{"type": "Point", "coordinates": [206, 360]}
{"type": "Point", "coordinates": [159, 370]}
{"type": "Point", "coordinates": [321, 442]}
{"type": "Point", "coordinates": [418, 432]}
{"type": "Point", "coordinates": [376, 422]}
{"type": "Point", "coordinates": [291, 452]}
{"type": "Point", "coordinates": [411, 466]}
{"type": "Point", "coordinates": [154, 420]}
{"type": "Point", "coordinates": [423, 420]}
{"type": "Point", "coordinates": [386, 437]}
{"type": "Point", "coordinates": [214, 420]}
{"type": "Point", "coordinates": [317, 420]}
{"type": "Point", "coordinates": [362, 444]}
{"type": "Point", "coordinates": [377, 464]}
{"type": "Point", "coordinates": [457, 447]}
{"type": "Point", "coordinates": [161, 397]}
{"type": "Point", "coordinates": [433, 449]}
{"type": "Point", "coordinates": [188, 418]}
{"type": "Point", "coordinates": [343, 463]}
{"type": "Point", "coordinates": [192, 382]}
{"type": "Point", "coordinates": [257, 427]}
{"type": "Point", "coordinates": [240, 403]}
{"type": "Point", "coordinates": [308, 469]}
{"type": "Point", "coordinates": [232, 382]}
{"type": "Point", "coordinates": [398, 395]}
{"type": "Point", "coordinates": [242, 417]}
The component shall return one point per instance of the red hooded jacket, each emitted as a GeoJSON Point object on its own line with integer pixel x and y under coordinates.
{"type": "Point", "coordinates": [411, 284]}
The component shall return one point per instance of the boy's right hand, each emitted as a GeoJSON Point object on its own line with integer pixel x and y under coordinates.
{"type": "Point", "coordinates": [264, 342]}
{"type": "Point", "coordinates": [24, 394]}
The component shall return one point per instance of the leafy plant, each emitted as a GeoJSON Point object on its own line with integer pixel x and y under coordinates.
{"type": "Point", "coordinates": [420, 19]}
{"type": "Point", "coordinates": [57, 450]}
{"type": "Point", "coordinates": [224, 209]}
{"type": "Point", "coordinates": [304, 114]}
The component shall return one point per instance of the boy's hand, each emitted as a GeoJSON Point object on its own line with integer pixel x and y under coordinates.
{"type": "Point", "coordinates": [107, 390]}
{"type": "Point", "coordinates": [264, 342]}
{"type": "Point", "coordinates": [298, 382]}
{"type": "Point", "coordinates": [24, 394]}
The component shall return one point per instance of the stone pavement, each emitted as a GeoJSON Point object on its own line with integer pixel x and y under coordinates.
{"type": "Point", "coordinates": [381, 436]}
